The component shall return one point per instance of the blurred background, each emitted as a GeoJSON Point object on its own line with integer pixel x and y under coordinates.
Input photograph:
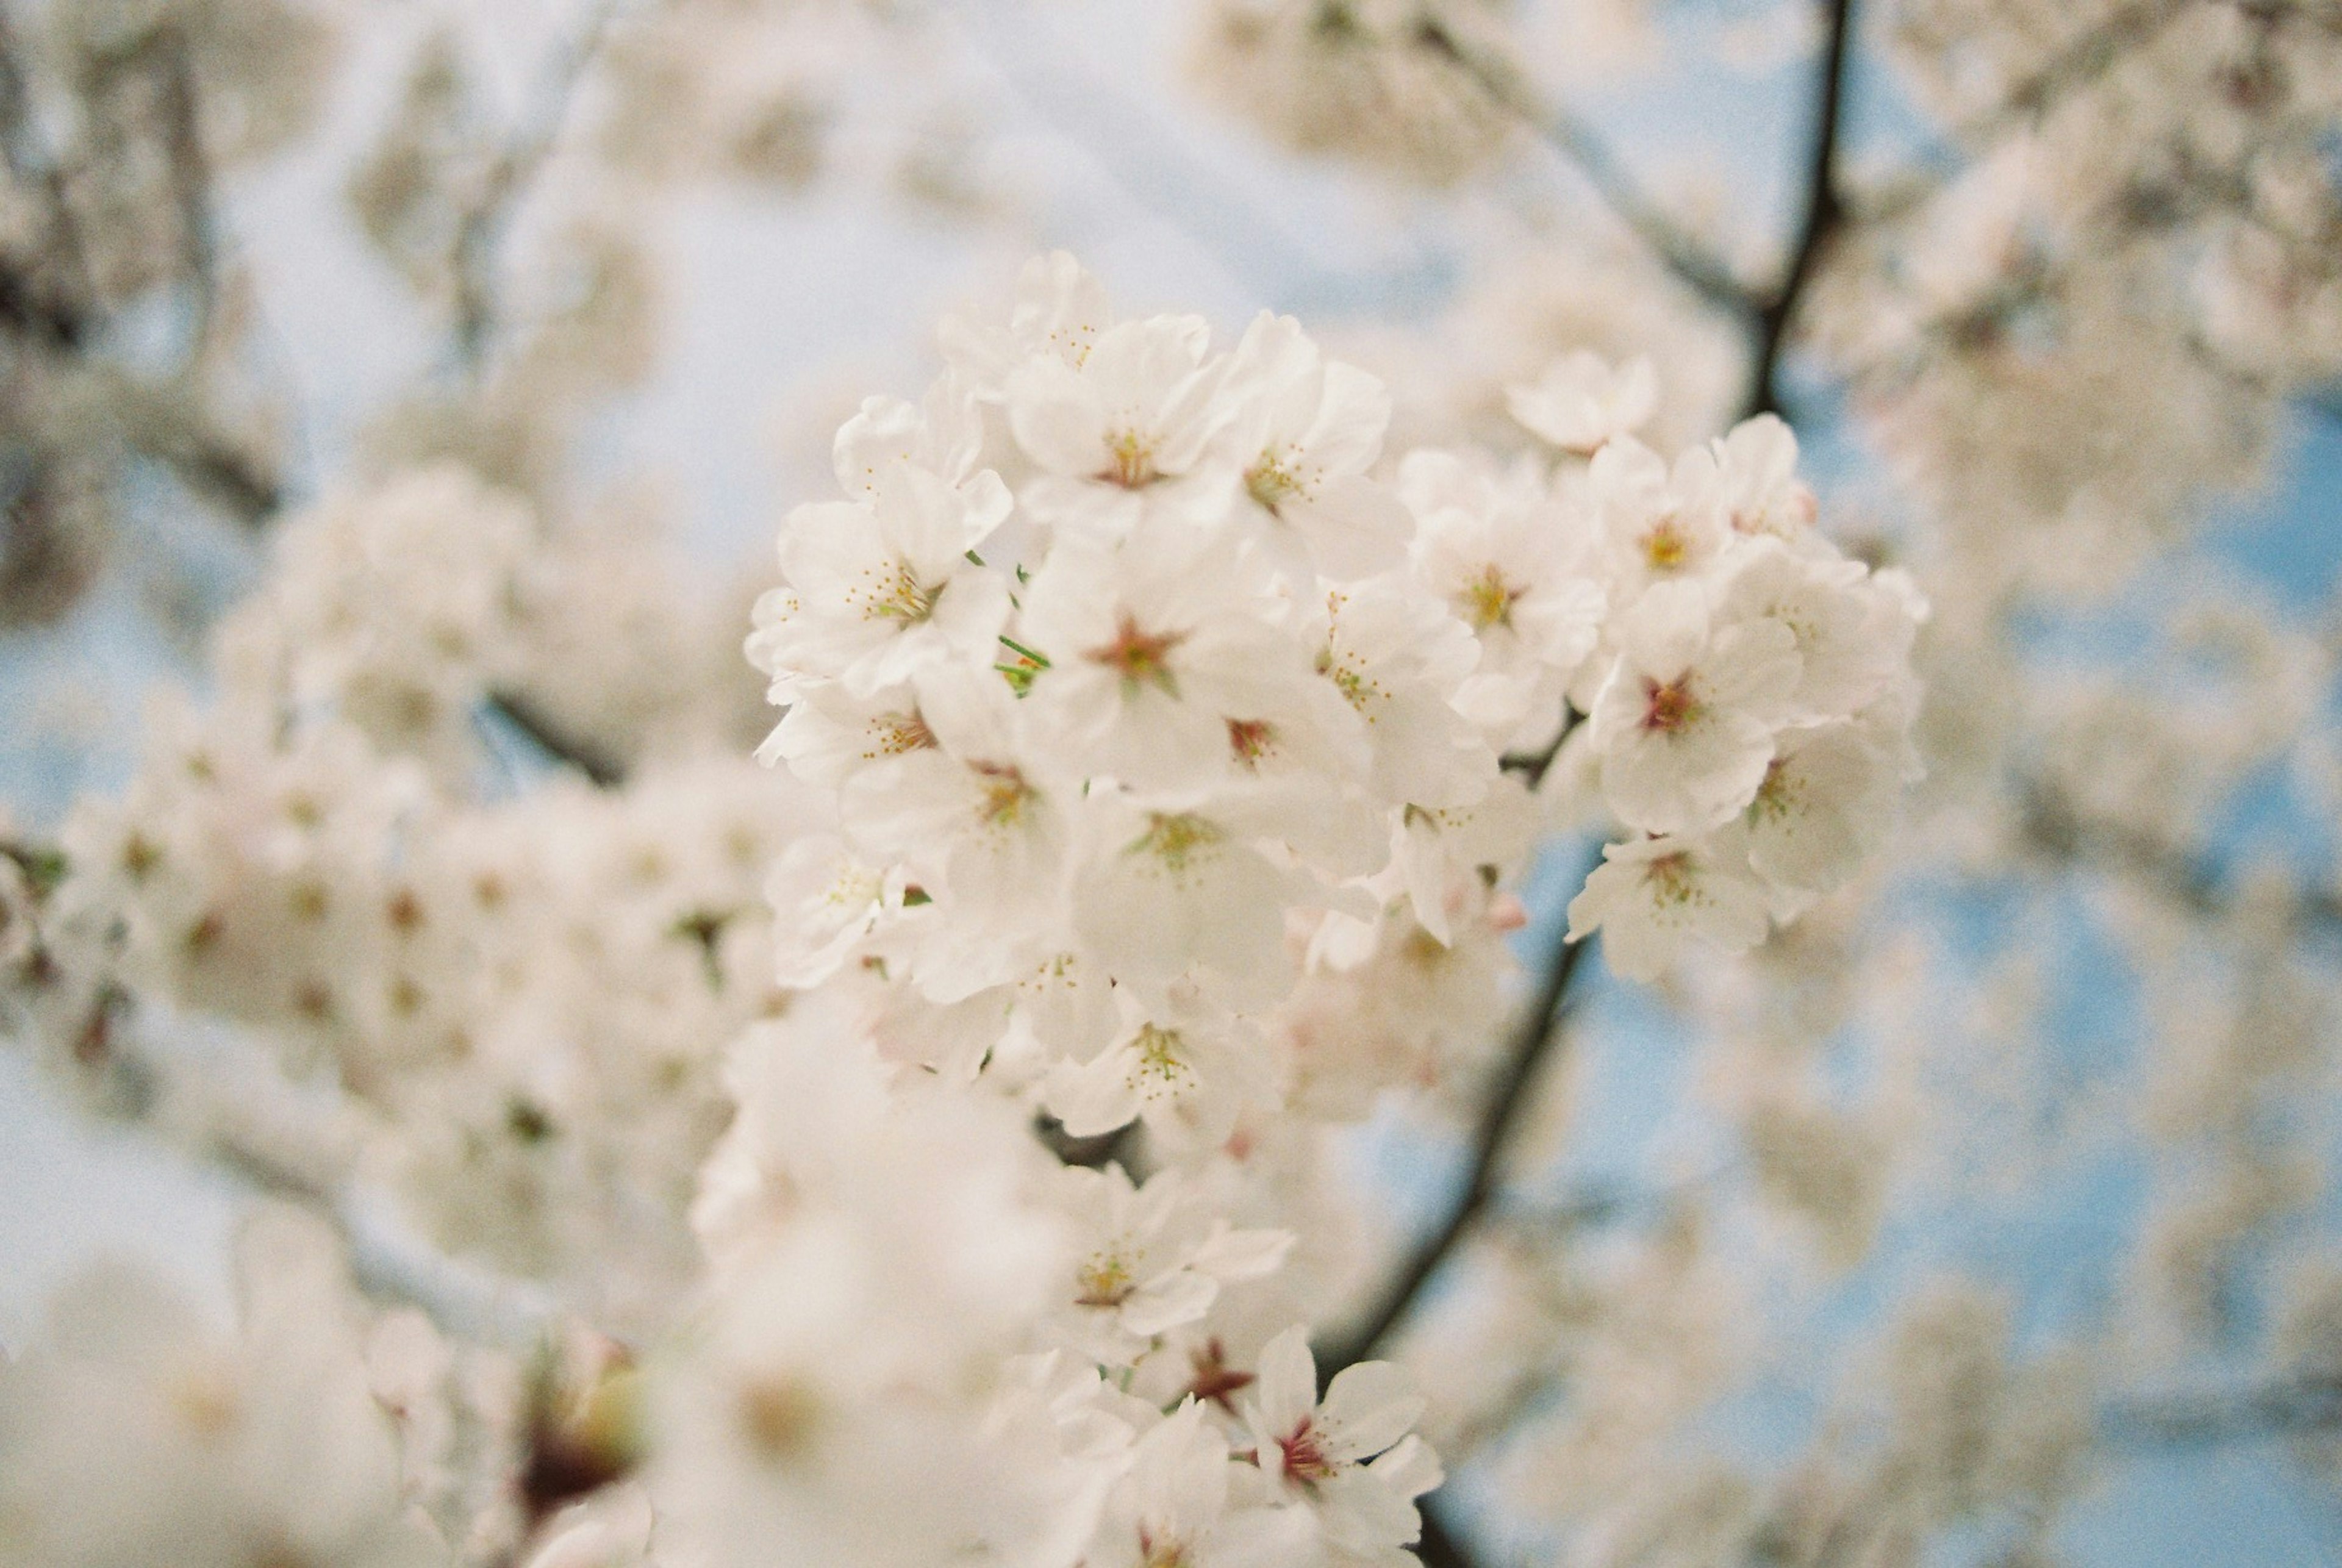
{"type": "Point", "coordinates": [2055, 310]}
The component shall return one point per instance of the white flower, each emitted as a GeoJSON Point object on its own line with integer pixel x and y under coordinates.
{"type": "Point", "coordinates": [1391, 1004]}
{"type": "Point", "coordinates": [827, 900]}
{"type": "Point", "coordinates": [829, 733]}
{"type": "Point", "coordinates": [1183, 1066]}
{"type": "Point", "coordinates": [1141, 409]}
{"type": "Point", "coordinates": [1318, 1454]}
{"type": "Point", "coordinates": [1685, 723]}
{"type": "Point", "coordinates": [130, 1434]}
{"type": "Point", "coordinates": [1398, 658]}
{"type": "Point", "coordinates": [1581, 402]}
{"type": "Point", "coordinates": [1512, 561]}
{"type": "Point", "coordinates": [1060, 311]}
{"type": "Point", "coordinates": [1650, 895]}
{"type": "Point", "coordinates": [397, 606]}
{"type": "Point", "coordinates": [1147, 1260]}
{"type": "Point", "coordinates": [1825, 804]}
{"type": "Point", "coordinates": [1154, 646]}
{"type": "Point", "coordinates": [880, 1267]}
{"type": "Point", "coordinates": [1168, 1509]}
{"type": "Point", "coordinates": [1848, 650]}
{"type": "Point", "coordinates": [1161, 894]}
{"type": "Point", "coordinates": [942, 435]}
{"type": "Point", "coordinates": [884, 588]}
{"type": "Point", "coordinates": [968, 817]}
{"type": "Point", "coordinates": [1305, 431]}
{"type": "Point", "coordinates": [611, 1530]}
{"type": "Point", "coordinates": [788, 1424]}
{"type": "Point", "coordinates": [1064, 1006]}
{"type": "Point", "coordinates": [1437, 853]}
{"type": "Point", "coordinates": [1757, 484]}
{"type": "Point", "coordinates": [1658, 524]}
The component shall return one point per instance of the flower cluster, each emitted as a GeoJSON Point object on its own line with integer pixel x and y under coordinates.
{"type": "Point", "coordinates": [906, 1283]}
{"type": "Point", "coordinates": [1121, 747]}
{"type": "Point", "coordinates": [1158, 722]}
{"type": "Point", "coordinates": [507, 1010]}
{"type": "Point", "coordinates": [130, 1429]}
{"type": "Point", "coordinates": [1165, 736]}
{"type": "Point", "coordinates": [1752, 719]}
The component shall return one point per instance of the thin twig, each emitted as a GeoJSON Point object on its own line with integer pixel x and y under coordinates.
{"type": "Point", "coordinates": [170, 425]}
{"type": "Point", "coordinates": [1670, 242]}
{"type": "Point", "coordinates": [62, 320]}
{"type": "Point", "coordinates": [1825, 209]}
{"type": "Point", "coordinates": [2082, 60]}
{"type": "Point", "coordinates": [191, 176]}
{"type": "Point", "coordinates": [516, 169]}
{"type": "Point", "coordinates": [59, 312]}
{"type": "Point", "coordinates": [229, 477]}
{"type": "Point", "coordinates": [1533, 765]}
{"type": "Point", "coordinates": [1693, 263]}
{"type": "Point", "coordinates": [1534, 1039]}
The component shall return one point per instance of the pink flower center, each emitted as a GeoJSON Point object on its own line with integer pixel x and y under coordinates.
{"type": "Point", "coordinates": [1250, 739]}
{"type": "Point", "coordinates": [1141, 657]}
{"type": "Point", "coordinates": [1304, 1457]}
{"type": "Point", "coordinates": [1671, 707]}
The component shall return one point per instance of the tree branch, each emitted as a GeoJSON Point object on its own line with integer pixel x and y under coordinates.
{"type": "Point", "coordinates": [1534, 1039]}
{"type": "Point", "coordinates": [1437, 1548]}
{"type": "Point", "coordinates": [1824, 210]}
{"type": "Point", "coordinates": [2326, 403]}
{"type": "Point", "coordinates": [59, 312]}
{"type": "Point", "coordinates": [2050, 823]}
{"type": "Point", "coordinates": [2081, 61]}
{"type": "Point", "coordinates": [1669, 242]}
{"type": "Point", "coordinates": [191, 176]}
{"type": "Point", "coordinates": [548, 737]}
{"type": "Point", "coordinates": [1676, 250]}
{"type": "Point", "coordinates": [43, 306]}
{"type": "Point", "coordinates": [1533, 765]}
{"type": "Point", "coordinates": [2291, 1407]}
{"type": "Point", "coordinates": [507, 185]}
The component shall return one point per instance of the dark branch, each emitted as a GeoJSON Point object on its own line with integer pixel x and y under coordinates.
{"type": "Point", "coordinates": [53, 306]}
{"type": "Point", "coordinates": [1533, 765]}
{"type": "Point", "coordinates": [43, 308]}
{"type": "Point", "coordinates": [231, 479]}
{"type": "Point", "coordinates": [43, 864]}
{"type": "Point", "coordinates": [29, 312]}
{"type": "Point", "coordinates": [191, 176]}
{"type": "Point", "coordinates": [2293, 1407]}
{"type": "Point", "coordinates": [171, 425]}
{"type": "Point", "coordinates": [1825, 209]}
{"type": "Point", "coordinates": [548, 737]}
{"type": "Point", "coordinates": [1119, 1147]}
{"type": "Point", "coordinates": [1534, 1039]}
{"type": "Point", "coordinates": [1438, 1549]}
{"type": "Point", "coordinates": [2050, 823]}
